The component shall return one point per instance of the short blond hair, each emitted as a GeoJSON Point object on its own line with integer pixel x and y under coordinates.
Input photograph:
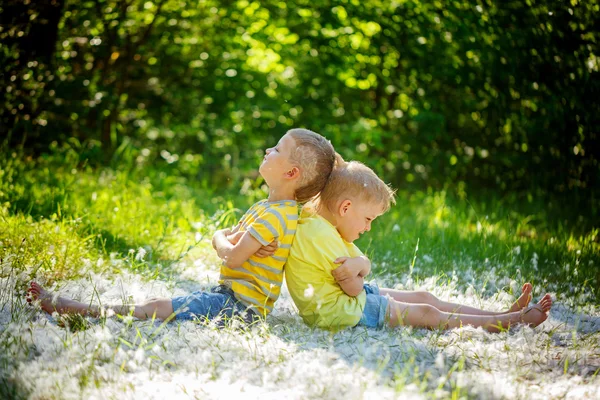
{"type": "Point", "coordinates": [315, 157]}
{"type": "Point", "coordinates": [355, 181]}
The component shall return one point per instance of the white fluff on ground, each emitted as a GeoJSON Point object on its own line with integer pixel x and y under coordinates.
{"type": "Point", "coordinates": [116, 358]}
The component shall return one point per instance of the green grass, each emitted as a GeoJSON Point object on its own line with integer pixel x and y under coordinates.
{"type": "Point", "coordinates": [457, 234]}
{"type": "Point", "coordinates": [56, 211]}
{"type": "Point", "coordinates": [62, 221]}
{"type": "Point", "coordinates": [133, 205]}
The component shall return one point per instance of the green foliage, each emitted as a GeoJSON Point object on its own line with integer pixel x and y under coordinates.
{"type": "Point", "coordinates": [58, 224]}
{"type": "Point", "coordinates": [536, 242]}
{"type": "Point", "coordinates": [58, 214]}
{"type": "Point", "coordinates": [65, 220]}
{"type": "Point", "coordinates": [492, 94]}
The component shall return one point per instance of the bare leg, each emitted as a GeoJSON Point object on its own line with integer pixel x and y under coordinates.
{"type": "Point", "coordinates": [427, 316]}
{"type": "Point", "coordinates": [158, 308]}
{"type": "Point", "coordinates": [418, 297]}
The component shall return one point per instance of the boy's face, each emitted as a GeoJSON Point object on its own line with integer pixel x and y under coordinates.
{"type": "Point", "coordinates": [355, 218]}
{"type": "Point", "coordinates": [276, 162]}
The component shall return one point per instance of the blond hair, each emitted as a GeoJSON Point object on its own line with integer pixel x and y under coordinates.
{"type": "Point", "coordinates": [355, 181]}
{"type": "Point", "coordinates": [315, 157]}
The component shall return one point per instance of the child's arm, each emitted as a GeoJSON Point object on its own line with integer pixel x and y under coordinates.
{"type": "Point", "coordinates": [350, 275]}
{"type": "Point", "coordinates": [353, 286]}
{"type": "Point", "coordinates": [268, 250]}
{"type": "Point", "coordinates": [232, 233]}
{"type": "Point", "coordinates": [236, 228]}
{"type": "Point", "coordinates": [351, 267]}
{"type": "Point", "coordinates": [234, 255]}
{"type": "Point", "coordinates": [264, 251]}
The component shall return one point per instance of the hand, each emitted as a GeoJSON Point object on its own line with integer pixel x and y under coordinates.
{"type": "Point", "coordinates": [268, 250]}
{"type": "Point", "coordinates": [234, 238]}
{"type": "Point", "coordinates": [223, 232]}
{"type": "Point", "coordinates": [351, 268]}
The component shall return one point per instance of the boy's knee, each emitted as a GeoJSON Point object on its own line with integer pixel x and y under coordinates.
{"type": "Point", "coordinates": [427, 315]}
{"type": "Point", "coordinates": [419, 315]}
{"type": "Point", "coordinates": [428, 309]}
{"type": "Point", "coordinates": [394, 313]}
{"type": "Point", "coordinates": [147, 308]}
{"type": "Point", "coordinates": [426, 298]}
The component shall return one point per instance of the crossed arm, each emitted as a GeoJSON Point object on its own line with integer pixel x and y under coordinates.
{"type": "Point", "coordinates": [350, 274]}
{"type": "Point", "coordinates": [235, 247]}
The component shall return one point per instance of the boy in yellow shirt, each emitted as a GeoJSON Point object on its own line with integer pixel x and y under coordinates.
{"type": "Point", "coordinates": [325, 271]}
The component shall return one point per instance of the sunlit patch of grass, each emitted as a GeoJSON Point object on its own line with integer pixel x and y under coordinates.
{"type": "Point", "coordinates": [73, 322]}
{"type": "Point", "coordinates": [118, 210]}
{"type": "Point", "coordinates": [35, 247]}
{"type": "Point", "coordinates": [454, 233]}
{"type": "Point", "coordinates": [124, 233]}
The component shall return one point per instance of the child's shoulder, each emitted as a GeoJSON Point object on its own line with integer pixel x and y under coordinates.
{"type": "Point", "coordinates": [281, 213]}
{"type": "Point", "coordinates": [281, 204]}
{"type": "Point", "coordinates": [265, 204]}
{"type": "Point", "coordinates": [317, 226]}
{"type": "Point", "coordinates": [260, 203]}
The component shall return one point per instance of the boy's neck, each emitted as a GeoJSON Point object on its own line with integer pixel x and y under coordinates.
{"type": "Point", "coordinates": [328, 215]}
{"type": "Point", "coordinates": [281, 193]}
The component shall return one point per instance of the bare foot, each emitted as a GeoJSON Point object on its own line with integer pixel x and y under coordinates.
{"type": "Point", "coordinates": [48, 301]}
{"type": "Point", "coordinates": [536, 314]}
{"type": "Point", "coordinates": [546, 302]}
{"type": "Point", "coordinates": [523, 300]}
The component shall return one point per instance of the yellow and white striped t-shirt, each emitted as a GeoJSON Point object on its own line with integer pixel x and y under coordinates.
{"type": "Point", "coordinates": [257, 283]}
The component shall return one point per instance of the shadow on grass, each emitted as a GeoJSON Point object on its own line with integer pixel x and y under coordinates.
{"type": "Point", "coordinates": [10, 390]}
{"type": "Point", "coordinates": [390, 353]}
{"type": "Point", "coordinates": [154, 265]}
{"type": "Point", "coordinates": [577, 321]}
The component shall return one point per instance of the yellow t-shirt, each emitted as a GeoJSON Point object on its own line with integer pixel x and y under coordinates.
{"type": "Point", "coordinates": [319, 298]}
{"type": "Point", "coordinates": [257, 283]}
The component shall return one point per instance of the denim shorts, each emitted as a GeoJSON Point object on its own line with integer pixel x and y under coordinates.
{"type": "Point", "coordinates": [219, 302]}
{"type": "Point", "coordinates": [374, 313]}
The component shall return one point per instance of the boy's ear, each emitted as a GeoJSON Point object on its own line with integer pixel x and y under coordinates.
{"type": "Point", "coordinates": [293, 173]}
{"type": "Point", "coordinates": [345, 207]}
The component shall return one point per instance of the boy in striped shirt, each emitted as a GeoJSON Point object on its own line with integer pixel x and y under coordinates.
{"type": "Point", "coordinates": [257, 282]}
{"type": "Point", "coordinates": [253, 252]}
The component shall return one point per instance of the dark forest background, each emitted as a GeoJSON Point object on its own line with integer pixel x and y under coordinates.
{"type": "Point", "coordinates": [498, 96]}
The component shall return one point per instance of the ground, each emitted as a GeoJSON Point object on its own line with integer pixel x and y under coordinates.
{"type": "Point", "coordinates": [125, 358]}
{"type": "Point", "coordinates": [130, 234]}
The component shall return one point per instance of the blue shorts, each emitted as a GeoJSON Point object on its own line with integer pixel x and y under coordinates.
{"type": "Point", "coordinates": [219, 302]}
{"type": "Point", "coordinates": [374, 314]}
